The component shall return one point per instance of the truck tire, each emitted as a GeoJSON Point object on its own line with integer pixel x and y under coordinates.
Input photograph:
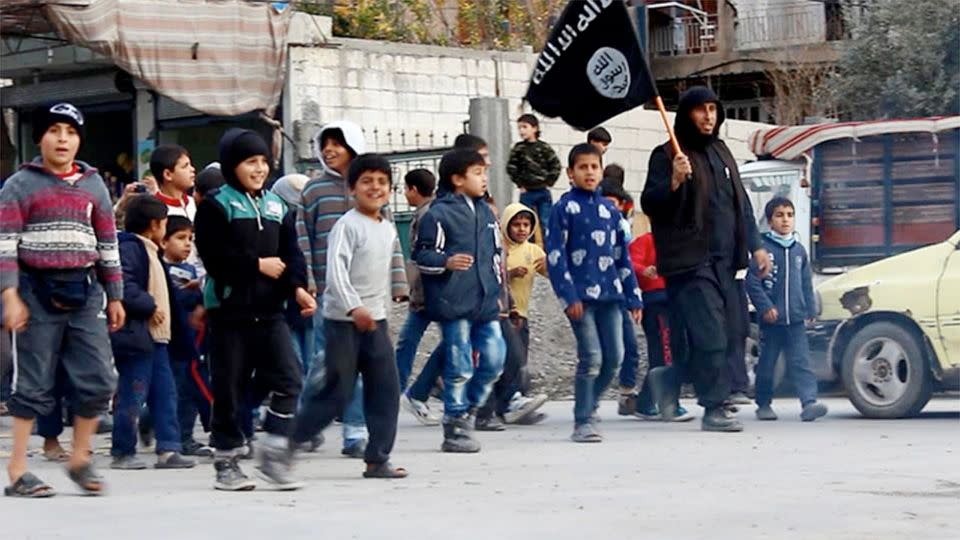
{"type": "Point", "coordinates": [885, 373]}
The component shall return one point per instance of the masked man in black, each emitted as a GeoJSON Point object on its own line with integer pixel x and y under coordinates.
{"type": "Point", "coordinates": [698, 209]}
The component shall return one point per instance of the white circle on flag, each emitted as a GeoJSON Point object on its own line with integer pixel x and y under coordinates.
{"type": "Point", "coordinates": [609, 72]}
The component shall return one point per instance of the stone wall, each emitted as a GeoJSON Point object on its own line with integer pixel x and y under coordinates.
{"type": "Point", "coordinates": [415, 96]}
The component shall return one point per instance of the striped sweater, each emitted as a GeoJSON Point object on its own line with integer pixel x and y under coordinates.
{"type": "Point", "coordinates": [325, 200]}
{"type": "Point", "coordinates": [53, 223]}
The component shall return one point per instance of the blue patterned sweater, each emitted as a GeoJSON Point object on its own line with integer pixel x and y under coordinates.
{"type": "Point", "coordinates": [587, 255]}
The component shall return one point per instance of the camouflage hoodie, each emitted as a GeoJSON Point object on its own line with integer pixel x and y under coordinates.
{"type": "Point", "coordinates": [533, 165]}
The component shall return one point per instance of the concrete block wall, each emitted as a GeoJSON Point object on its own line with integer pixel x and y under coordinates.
{"type": "Point", "coordinates": [397, 91]}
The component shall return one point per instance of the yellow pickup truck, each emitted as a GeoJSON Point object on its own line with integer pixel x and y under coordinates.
{"type": "Point", "coordinates": [891, 329]}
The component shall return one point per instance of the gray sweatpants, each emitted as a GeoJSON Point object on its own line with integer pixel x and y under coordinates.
{"type": "Point", "coordinates": [78, 341]}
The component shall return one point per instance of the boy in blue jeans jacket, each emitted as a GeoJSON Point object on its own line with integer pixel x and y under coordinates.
{"type": "Point", "coordinates": [142, 347]}
{"type": "Point", "coordinates": [590, 271]}
{"type": "Point", "coordinates": [459, 255]}
{"type": "Point", "coordinates": [784, 301]}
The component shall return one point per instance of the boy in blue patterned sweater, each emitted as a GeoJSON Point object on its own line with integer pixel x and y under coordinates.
{"type": "Point", "coordinates": [590, 271]}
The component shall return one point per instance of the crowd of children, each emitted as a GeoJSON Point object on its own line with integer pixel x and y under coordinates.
{"type": "Point", "coordinates": [224, 297]}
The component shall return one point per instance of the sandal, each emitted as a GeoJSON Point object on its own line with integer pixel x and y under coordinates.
{"type": "Point", "coordinates": [58, 454]}
{"type": "Point", "coordinates": [87, 479]}
{"type": "Point", "coordinates": [385, 470]}
{"type": "Point", "coordinates": [30, 487]}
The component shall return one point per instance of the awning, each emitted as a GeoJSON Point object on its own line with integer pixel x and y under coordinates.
{"type": "Point", "coordinates": [223, 58]}
{"type": "Point", "coordinates": [790, 142]}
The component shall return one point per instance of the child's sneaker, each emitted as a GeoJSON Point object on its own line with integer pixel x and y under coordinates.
{"type": "Point", "coordinates": [196, 449]}
{"type": "Point", "coordinates": [720, 419]}
{"type": "Point", "coordinates": [627, 404]}
{"type": "Point", "coordinates": [765, 412]}
{"type": "Point", "coordinates": [230, 477]}
{"type": "Point", "coordinates": [812, 411]}
{"type": "Point", "coordinates": [682, 415]}
{"type": "Point", "coordinates": [586, 433]}
{"type": "Point", "coordinates": [492, 423]}
{"type": "Point", "coordinates": [521, 406]}
{"type": "Point", "coordinates": [276, 464]}
{"type": "Point", "coordinates": [458, 435]}
{"type": "Point", "coordinates": [173, 460]}
{"type": "Point", "coordinates": [420, 410]}
{"type": "Point", "coordinates": [739, 398]}
{"type": "Point", "coordinates": [650, 414]}
{"type": "Point", "coordinates": [532, 419]}
{"type": "Point", "coordinates": [128, 463]}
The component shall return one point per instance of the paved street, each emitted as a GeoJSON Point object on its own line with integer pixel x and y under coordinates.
{"type": "Point", "coordinates": [840, 478]}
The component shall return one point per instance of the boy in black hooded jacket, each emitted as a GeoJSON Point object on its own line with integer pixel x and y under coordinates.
{"type": "Point", "coordinates": [247, 239]}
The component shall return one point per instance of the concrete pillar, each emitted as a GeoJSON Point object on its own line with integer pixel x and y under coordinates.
{"type": "Point", "coordinates": [145, 127]}
{"type": "Point", "coordinates": [490, 120]}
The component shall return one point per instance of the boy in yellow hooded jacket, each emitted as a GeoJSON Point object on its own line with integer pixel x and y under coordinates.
{"type": "Point", "coordinates": [525, 259]}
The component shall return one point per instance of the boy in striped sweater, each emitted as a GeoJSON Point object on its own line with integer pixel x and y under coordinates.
{"type": "Point", "coordinates": [58, 259]}
{"type": "Point", "coordinates": [325, 200]}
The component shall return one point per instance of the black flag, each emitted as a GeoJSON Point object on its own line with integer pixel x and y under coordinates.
{"type": "Point", "coordinates": [592, 68]}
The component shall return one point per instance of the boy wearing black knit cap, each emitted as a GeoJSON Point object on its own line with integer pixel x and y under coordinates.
{"type": "Point", "coordinates": [247, 239]}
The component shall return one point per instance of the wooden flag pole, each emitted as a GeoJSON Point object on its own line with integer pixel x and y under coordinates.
{"type": "Point", "coordinates": [663, 115]}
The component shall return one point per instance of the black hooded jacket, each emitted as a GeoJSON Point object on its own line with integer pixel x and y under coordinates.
{"type": "Point", "coordinates": [709, 217]}
{"type": "Point", "coordinates": [234, 229]}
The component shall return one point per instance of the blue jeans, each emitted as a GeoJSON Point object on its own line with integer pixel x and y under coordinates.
{"type": "Point", "coordinates": [466, 387]}
{"type": "Point", "coordinates": [541, 202]}
{"type": "Point", "coordinates": [145, 379]}
{"type": "Point", "coordinates": [407, 342]}
{"type": "Point", "coordinates": [631, 352]}
{"type": "Point", "coordinates": [599, 336]}
{"type": "Point", "coordinates": [427, 379]}
{"type": "Point", "coordinates": [774, 339]}
{"type": "Point", "coordinates": [354, 422]}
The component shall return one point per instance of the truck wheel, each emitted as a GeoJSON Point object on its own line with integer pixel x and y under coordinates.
{"type": "Point", "coordinates": [884, 372]}
{"type": "Point", "coordinates": [752, 358]}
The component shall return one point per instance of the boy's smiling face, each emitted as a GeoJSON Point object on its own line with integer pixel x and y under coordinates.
{"type": "Point", "coordinates": [59, 145]}
{"type": "Point", "coordinates": [372, 192]}
{"type": "Point", "coordinates": [252, 173]}
{"type": "Point", "coordinates": [473, 183]}
{"type": "Point", "coordinates": [520, 227]}
{"type": "Point", "coordinates": [335, 155]}
{"type": "Point", "coordinates": [586, 172]}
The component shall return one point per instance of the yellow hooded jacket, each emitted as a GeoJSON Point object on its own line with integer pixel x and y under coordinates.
{"type": "Point", "coordinates": [524, 254]}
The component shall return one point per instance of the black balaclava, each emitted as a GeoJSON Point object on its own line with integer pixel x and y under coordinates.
{"type": "Point", "coordinates": [236, 146]}
{"type": "Point", "coordinates": [686, 130]}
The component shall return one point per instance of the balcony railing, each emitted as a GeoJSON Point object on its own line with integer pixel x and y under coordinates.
{"type": "Point", "coordinates": [780, 29]}
{"type": "Point", "coordinates": [687, 35]}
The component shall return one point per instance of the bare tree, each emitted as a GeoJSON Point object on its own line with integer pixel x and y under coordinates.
{"type": "Point", "coordinates": [800, 88]}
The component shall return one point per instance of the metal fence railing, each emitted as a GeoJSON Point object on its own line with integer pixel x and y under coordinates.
{"type": "Point", "coordinates": [780, 29]}
{"type": "Point", "coordinates": [686, 36]}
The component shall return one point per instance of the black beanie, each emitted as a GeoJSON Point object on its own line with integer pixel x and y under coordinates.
{"type": "Point", "coordinates": [236, 146]}
{"type": "Point", "coordinates": [47, 115]}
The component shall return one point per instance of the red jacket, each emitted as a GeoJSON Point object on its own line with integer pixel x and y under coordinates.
{"type": "Point", "coordinates": [643, 254]}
